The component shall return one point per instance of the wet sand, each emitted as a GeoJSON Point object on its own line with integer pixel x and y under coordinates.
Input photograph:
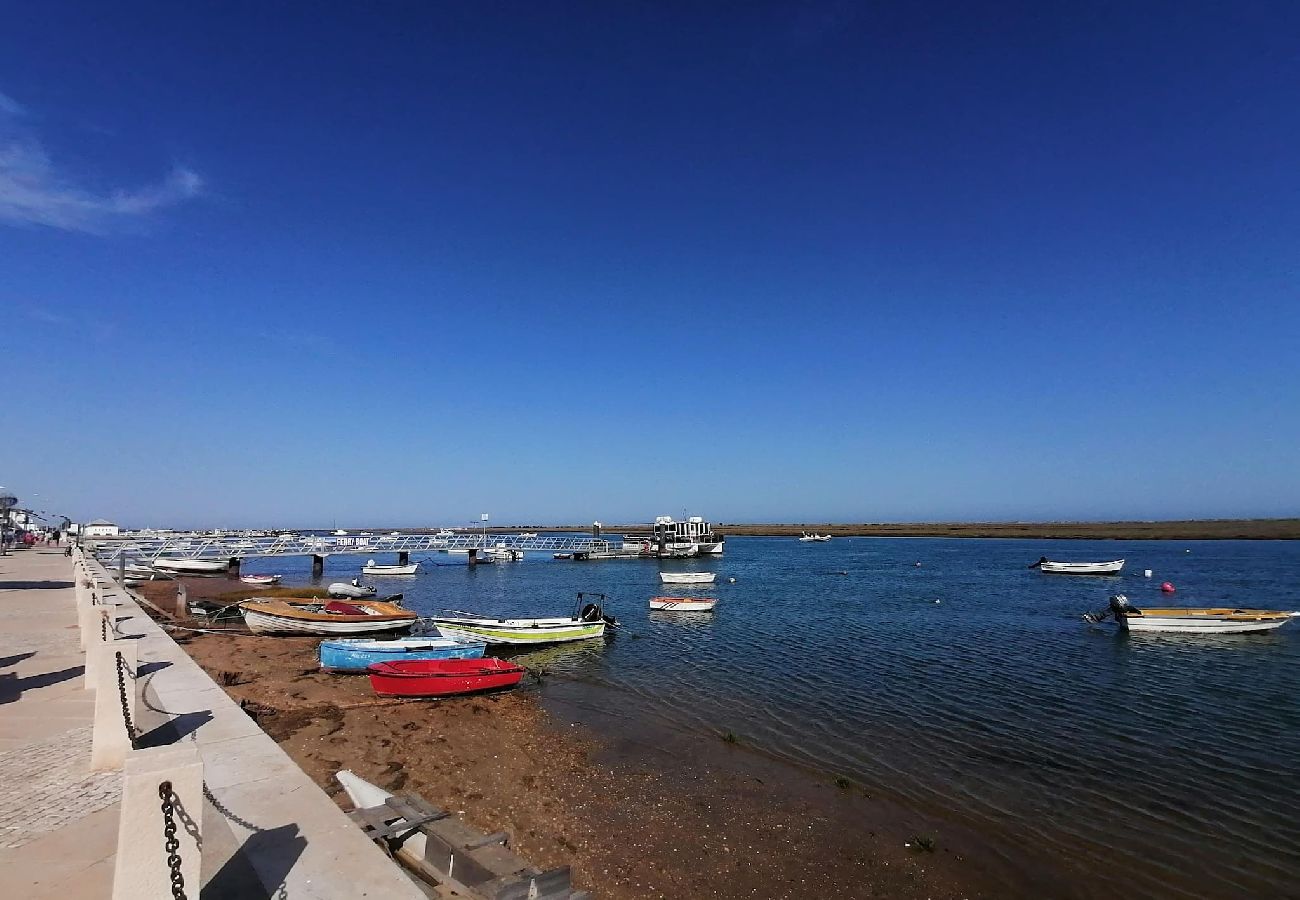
{"type": "Point", "coordinates": [704, 818]}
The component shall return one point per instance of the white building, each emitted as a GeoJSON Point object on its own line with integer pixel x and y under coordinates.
{"type": "Point", "coordinates": [101, 528]}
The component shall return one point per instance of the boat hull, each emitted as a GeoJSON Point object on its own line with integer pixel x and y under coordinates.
{"type": "Point", "coordinates": [352, 591]}
{"type": "Point", "coordinates": [279, 617]}
{"type": "Point", "coordinates": [1205, 621]}
{"type": "Point", "coordinates": [507, 632]}
{"type": "Point", "coordinates": [390, 570]}
{"type": "Point", "coordinates": [687, 577]}
{"type": "Point", "coordinates": [191, 566]}
{"type": "Point", "coordinates": [683, 604]}
{"type": "Point", "coordinates": [358, 654]}
{"type": "Point", "coordinates": [443, 677]}
{"type": "Point", "coordinates": [1068, 568]}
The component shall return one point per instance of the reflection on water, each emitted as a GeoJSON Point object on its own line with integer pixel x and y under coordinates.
{"type": "Point", "coordinates": [1164, 765]}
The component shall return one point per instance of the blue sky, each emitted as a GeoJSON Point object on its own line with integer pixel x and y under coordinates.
{"type": "Point", "coordinates": [408, 262]}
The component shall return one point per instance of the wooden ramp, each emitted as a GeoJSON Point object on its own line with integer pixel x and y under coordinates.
{"type": "Point", "coordinates": [459, 859]}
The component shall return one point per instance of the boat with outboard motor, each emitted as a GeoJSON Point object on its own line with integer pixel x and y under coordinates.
{"type": "Point", "coordinates": [1055, 567]}
{"type": "Point", "coordinates": [1190, 620]}
{"type": "Point", "coordinates": [588, 621]}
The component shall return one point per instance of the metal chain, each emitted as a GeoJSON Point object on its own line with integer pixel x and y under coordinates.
{"type": "Point", "coordinates": [121, 692]}
{"type": "Point", "coordinates": [103, 629]}
{"type": "Point", "coordinates": [170, 842]}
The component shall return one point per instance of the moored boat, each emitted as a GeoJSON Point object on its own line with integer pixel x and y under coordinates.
{"type": "Point", "coordinates": [683, 604]}
{"type": "Point", "coordinates": [1055, 567]}
{"type": "Point", "coordinates": [373, 568]}
{"type": "Point", "coordinates": [442, 677]}
{"type": "Point", "coordinates": [814, 537]}
{"type": "Point", "coordinates": [588, 622]}
{"type": "Point", "coordinates": [355, 589]}
{"type": "Point", "coordinates": [687, 577]}
{"type": "Point", "coordinates": [263, 580]}
{"type": "Point", "coordinates": [356, 654]}
{"type": "Point", "coordinates": [320, 617]}
{"type": "Point", "coordinates": [190, 566]}
{"type": "Point", "coordinates": [1191, 620]}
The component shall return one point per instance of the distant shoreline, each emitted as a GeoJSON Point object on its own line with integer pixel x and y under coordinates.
{"type": "Point", "coordinates": [1182, 530]}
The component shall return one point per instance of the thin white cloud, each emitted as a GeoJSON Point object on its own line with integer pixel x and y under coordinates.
{"type": "Point", "coordinates": [34, 192]}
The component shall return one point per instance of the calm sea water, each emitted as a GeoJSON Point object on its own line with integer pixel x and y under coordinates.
{"type": "Point", "coordinates": [1159, 766]}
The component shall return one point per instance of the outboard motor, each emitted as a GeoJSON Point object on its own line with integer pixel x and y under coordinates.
{"type": "Point", "coordinates": [591, 613]}
{"type": "Point", "coordinates": [1119, 607]}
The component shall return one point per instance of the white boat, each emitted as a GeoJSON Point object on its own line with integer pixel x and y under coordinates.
{"type": "Point", "coordinates": [191, 566]}
{"type": "Point", "coordinates": [502, 553]}
{"type": "Point", "coordinates": [689, 538]}
{"type": "Point", "coordinates": [527, 535]}
{"type": "Point", "coordinates": [373, 568]}
{"type": "Point", "coordinates": [340, 531]}
{"type": "Point", "coordinates": [445, 533]}
{"type": "Point", "coordinates": [259, 579]}
{"type": "Point", "coordinates": [1079, 568]}
{"type": "Point", "coordinates": [683, 604]}
{"type": "Point", "coordinates": [1190, 620]}
{"type": "Point", "coordinates": [687, 577]}
{"type": "Point", "coordinates": [814, 537]}
{"type": "Point", "coordinates": [355, 589]}
{"type": "Point", "coordinates": [288, 616]}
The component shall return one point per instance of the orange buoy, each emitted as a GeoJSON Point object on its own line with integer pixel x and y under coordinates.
{"type": "Point", "coordinates": [1167, 588]}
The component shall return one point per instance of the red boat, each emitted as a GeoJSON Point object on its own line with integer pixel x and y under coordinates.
{"type": "Point", "coordinates": [442, 677]}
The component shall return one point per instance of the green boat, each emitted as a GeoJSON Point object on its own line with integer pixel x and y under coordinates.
{"type": "Point", "coordinates": [588, 621]}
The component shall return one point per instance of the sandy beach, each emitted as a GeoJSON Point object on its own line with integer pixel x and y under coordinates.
{"type": "Point", "coordinates": [635, 821]}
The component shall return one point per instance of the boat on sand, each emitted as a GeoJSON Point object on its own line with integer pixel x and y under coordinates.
{"type": "Point", "coordinates": [1191, 620]}
{"type": "Point", "coordinates": [683, 604]}
{"type": "Point", "coordinates": [324, 617]}
{"type": "Point", "coordinates": [1053, 567]}
{"type": "Point", "coordinates": [264, 580]}
{"type": "Point", "coordinates": [356, 654]}
{"type": "Point", "coordinates": [191, 566]}
{"type": "Point", "coordinates": [442, 677]}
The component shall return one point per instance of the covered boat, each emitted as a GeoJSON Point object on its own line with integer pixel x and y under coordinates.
{"type": "Point", "coordinates": [1079, 568]}
{"type": "Point", "coordinates": [294, 616]}
{"type": "Point", "coordinates": [354, 589]}
{"type": "Point", "coordinates": [683, 604]}
{"type": "Point", "coordinates": [356, 654]}
{"type": "Point", "coordinates": [373, 568]}
{"type": "Point", "coordinates": [588, 621]}
{"type": "Point", "coordinates": [443, 677]}
{"type": "Point", "coordinates": [191, 566]}
{"type": "Point", "coordinates": [687, 577]}
{"type": "Point", "coordinates": [1190, 620]}
{"type": "Point", "coordinates": [259, 579]}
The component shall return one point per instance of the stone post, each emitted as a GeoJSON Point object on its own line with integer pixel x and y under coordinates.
{"type": "Point", "coordinates": [182, 601]}
{"type": "Point", "coordinates": [109, 740]}
{"type": "Point", "coordinates": [98, 630]}
{"type": "Point", "coordinates": [141, 871]}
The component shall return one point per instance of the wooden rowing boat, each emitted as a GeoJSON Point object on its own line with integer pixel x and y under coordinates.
{"type": "Point", "coordinates": [1053, 567]}
{"type": "Point", "coordinates": [683, 604]}
{"type": "Point", "coordinates": [687, 577]}
{"type": "Point", "coordinates": [311, 616]}
{"type": "Point", "coordinates": [357, 654]}
{"type": "Point", "coordinates": [442, 677]}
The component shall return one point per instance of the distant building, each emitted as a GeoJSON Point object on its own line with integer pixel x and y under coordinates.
{"type": "Point", "coordinates": [101, 528]}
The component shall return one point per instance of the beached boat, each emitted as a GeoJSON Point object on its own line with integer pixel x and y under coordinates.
{"type": "Point", "coordinates": [443, 677]}
{"type": "Point", "coordinates": [355, 654]}
{"type": "Point", "coordinates": [585, 623]}
{"type": "Point", "coordinates": [1054, 567]}
{"type": "Point", "coordinates": [263, 580]}
{"type": "Point", "coordinates": [683, 604]}
{"type": "Point", "coordinates": [355, 589]}
{"type": "Point", "coordinates": [1189, 620]}
{"type": "Point", "coordinates": [373, 568]}
{"type": "Point", "coordinates": [333, 617]}
{"type": "Point", "coordinates": [687, 577]}
{"type": "Point", "coordinates": [191, 566]}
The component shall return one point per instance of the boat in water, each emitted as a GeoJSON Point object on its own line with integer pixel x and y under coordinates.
{"type": "Point", "coordinates": [324, 617]}
{"type": "Point", "coordinates": [687, 577]}
{"type": "Point", "coordinates": [353, 589]}
{"type": "Point", "coordinates": [671, 538]}
{"type": "Point", "coordinates": [683, 604]}
{"type": "Point", "coordinates": [588, 621]}
{"type": "Point", "coordinates": [356, 654]}
{"type": "Point", "coordinates": [1190, 620]}
{"type": "Point", "coordinates": [814, 538]}
{"type": "Point", "coordinates": [443, 677]}
{"type": "Point", "coordinates": [263, 580]}
{"type": "Point", "coordinates": [191, 566]}
{"type": "Point", "coordinates": [373, 568]}
{"type": "Point", "coordinates": [1053, 567]}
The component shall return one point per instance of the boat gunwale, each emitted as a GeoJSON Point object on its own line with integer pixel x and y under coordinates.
{"type": "Point", "coordinates": [271, 607]}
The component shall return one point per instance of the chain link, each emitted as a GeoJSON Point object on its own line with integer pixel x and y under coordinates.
{"type": "Point", "coordinates": [170, 842]}
{"type": "Point", "coordinates": [103, 628]}
{"type": "Point", "coordinates": [121, 692]}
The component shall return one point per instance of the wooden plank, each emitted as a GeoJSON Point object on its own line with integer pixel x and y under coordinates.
{"type": "Point", "coordinates": [500, 837]}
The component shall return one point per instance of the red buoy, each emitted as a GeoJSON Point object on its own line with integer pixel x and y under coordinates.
{"type": "Point", "coordinates": [1167, 588]}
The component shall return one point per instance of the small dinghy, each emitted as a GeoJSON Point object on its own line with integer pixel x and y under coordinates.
{"type": "Point", "coordinates": [442, 677]}
{"type": "Point", "coordinates": [356, 654]}
{"type": "Point", "coordinates": [1188, 620]}
{"type": "Point", "coordinates": [589, 621]}
{"type": "Point", "coordinates": [263, 580]}
{"type": "Point", "coordinates": [1053, 567]}
{"type": "Point", "coordinates": [333, 617]}
{"type": "Point", "coordinates": [373, 568]}
{"type": "Point", "coordinates": [356, 589]}
{"type": "Point", "coordinates": [687, 577]}
{"type": "Point", "coordinates": [191, 566]}
{"type": "Point", "coordinates": [683, 604]}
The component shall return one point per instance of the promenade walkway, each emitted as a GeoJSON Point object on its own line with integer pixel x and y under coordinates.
{"type": "Point", "coordinates": [267, 829]}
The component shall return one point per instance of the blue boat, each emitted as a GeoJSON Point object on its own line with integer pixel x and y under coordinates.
{"type": "Point", "coordinates": [355, 654]}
